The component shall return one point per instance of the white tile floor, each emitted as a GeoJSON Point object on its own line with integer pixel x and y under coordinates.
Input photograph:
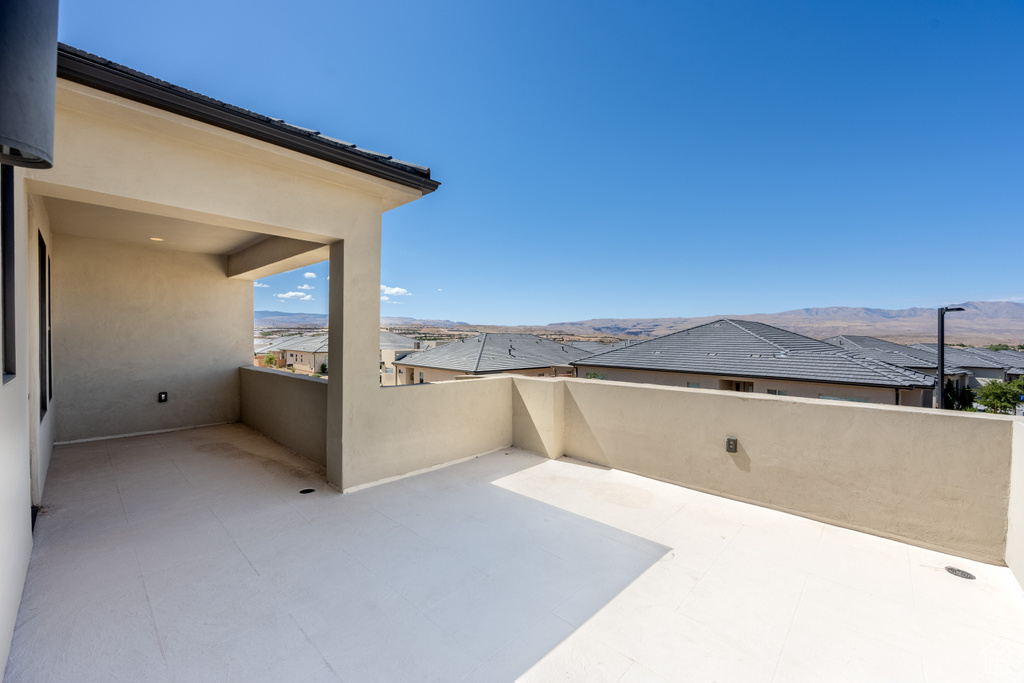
{"type": "Point", "coordinates": [191, 556]}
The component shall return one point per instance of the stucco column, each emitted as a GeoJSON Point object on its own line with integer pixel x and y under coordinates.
{"type": "Point", "coordinates": [354, 323]}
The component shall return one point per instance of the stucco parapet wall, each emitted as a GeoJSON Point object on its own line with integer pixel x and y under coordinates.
{"type": "Point", "coordinates": [290, 409]}
{"type": "Point", "coordinates": [938, 480]}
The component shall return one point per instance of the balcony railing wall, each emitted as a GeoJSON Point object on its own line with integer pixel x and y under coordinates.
{"type": "Point", "coordinates": [936, 479]}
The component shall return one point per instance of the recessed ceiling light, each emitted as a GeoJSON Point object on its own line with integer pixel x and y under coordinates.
{"type": "Point", "coordinates": [157, 239]}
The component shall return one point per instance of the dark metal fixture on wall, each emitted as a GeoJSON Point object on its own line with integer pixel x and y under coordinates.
{"type": "Point", "coordinates": [28, 81]}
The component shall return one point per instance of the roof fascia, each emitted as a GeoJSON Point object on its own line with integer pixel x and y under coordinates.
{"type": "Point", "coordinates": [78, 68]}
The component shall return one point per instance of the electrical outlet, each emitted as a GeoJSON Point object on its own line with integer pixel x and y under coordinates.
{"type": "Point", "coordinates": [731, 444]}
{"type": "Point", "coordinates": [161, 397]}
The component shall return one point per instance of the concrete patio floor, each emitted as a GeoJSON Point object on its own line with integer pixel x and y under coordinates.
{"type": "Point", "coordinates": [192, 556]}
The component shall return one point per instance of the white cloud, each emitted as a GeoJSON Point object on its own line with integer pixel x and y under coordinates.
{"type": "Point", "coordinates": [306, 287]}
{"type": "Point", "coordinates": [259, 284]}
{"type": "Point", "coordinates": [439, 289]}
{"type": "Point", "coordinates": [309, 276]}
{"type": "Point", "coordinates": [295, 295]}
{"type": "Point", "coordinates": [384, 298]}
{"type": "Point", "coordinates": [394, 291]}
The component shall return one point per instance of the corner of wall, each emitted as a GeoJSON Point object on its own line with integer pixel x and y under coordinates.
{"type": "Point", "coordinates": [1015, 523]}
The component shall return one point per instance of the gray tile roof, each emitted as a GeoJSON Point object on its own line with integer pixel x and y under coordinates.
{"type": "Point", "coordinates": [496, 352]}
{"type": "Point", "coordinates": [896, 354]}
{"type": "Point", "coordinates": [298, 342]}
{"type": "Point", "coordinates": [598, 347]}
{"type": "Point", "coordinates": [396, 342]}
{"type": "Point", "coordinates": [1011, 361]}
{"type": "Point", "coordinates": [957, 356]}
{"type": "Point", "coordinates": [102, 74]}
{"type": "Point", "coordinates": [742, 348]}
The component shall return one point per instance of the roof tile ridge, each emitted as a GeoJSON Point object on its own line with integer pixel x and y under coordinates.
{"type": "Point", "coordinates": [483, 343]}
{"type": "Point", "coordinates": [880, 367]}
{"type": "Point", "coordinates": [755, 334]}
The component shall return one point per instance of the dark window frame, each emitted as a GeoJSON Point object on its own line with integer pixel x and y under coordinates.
{"type": "Point", "coordinates": [8, 329]}
{"type": "Point", "coordinates": [44, 327]}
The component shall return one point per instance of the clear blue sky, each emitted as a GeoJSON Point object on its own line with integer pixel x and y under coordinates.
{"type": "Point", "coordinates": [638, 159]}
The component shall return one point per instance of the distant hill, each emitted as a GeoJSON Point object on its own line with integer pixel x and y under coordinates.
{"type": "Point", "coordinates": [282, 319]}
{"type": "Point", "coordinates": [401, 322]}
{"type": "Point", "coordinates": [984, 322]}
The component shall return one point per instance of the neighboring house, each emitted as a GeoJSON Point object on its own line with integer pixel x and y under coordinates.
{"type": "Point", "coordinates": [489, 353]}
{"type": "Point", "coordinates": [740, 355]}
{"type": "Point", "coordinates": [395, 347]}
{"type": "Point", "coordinates": [903, 356]}
{"type": "Point", "coordinates": [1012, 361]}
{"type": "Point", "coordinates": [981, 369]}
{"type": "Point", "coordinates": [306, 353]}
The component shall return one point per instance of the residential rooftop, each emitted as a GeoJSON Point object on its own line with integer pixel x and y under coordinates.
{"type": "Point", "coordinates": [390, 341]}
{"type": "Point", "coordinates": [744, 348]}
{"type": "Point", "coordinates": [496, 352]}
{"type": "Point", "coordinates": [299, 342]}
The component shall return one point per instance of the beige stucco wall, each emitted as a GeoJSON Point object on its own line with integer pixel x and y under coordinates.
{"type": "Point", "coordinates": [290, 409]}
{"type": "Point", "coordinates": [411, 374]}
{"type": "Point", "coordinates": [1015, 532]}
{"type": "Point", "coordinates": [41, 428]}
{"type": "Point", "coordinates": [939, 480]}
{"type": "Point", "coordinates": [15, 478]}
{"type": "Point", "coordinates": [130, 322]}
{"type": "Point", "coordinates": [538, 416]}
{"type": "Point", "coordinates": [304, 360]}
{"type": "Point", "coordinates": [416, 427]}
{"type": "Point", "coordinates": [761, 386]}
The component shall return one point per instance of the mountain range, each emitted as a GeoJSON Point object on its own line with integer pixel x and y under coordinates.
{"type": "Point", "coordinates": [982, 322]}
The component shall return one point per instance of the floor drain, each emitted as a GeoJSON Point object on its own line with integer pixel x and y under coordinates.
{"type": "Point", "coordinates": [311, 491]}
{"type": "Point", "coordinates": [961, 573]}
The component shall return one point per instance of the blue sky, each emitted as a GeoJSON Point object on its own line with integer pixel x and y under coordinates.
{"type": "Point", "coordinates": [637, 159]}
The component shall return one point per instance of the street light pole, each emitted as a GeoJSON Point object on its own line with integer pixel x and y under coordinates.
{"type": "Point", "coordinates": [940, 378]}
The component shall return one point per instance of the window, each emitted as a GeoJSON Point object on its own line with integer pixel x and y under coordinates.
{"type": "Point", "coordinates": [693, 385]}
{"type": "Point", "coordinates": [8, 358]}
{"type": "Point", "coordinates": [45, 352]}
{"type": "Point", "coordinates": [842, 398]}
{"type": "Point", "coordinates": [776, 392]}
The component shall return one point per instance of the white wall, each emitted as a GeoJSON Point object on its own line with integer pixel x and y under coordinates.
{"type": "Point", "coordinates": [130, 322]}
{"type": "Point", "coordinates": [1015, 532]}
{"type": "Point", "coordinates": [15, 478]}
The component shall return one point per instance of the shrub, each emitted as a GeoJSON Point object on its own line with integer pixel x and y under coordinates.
{"type": "Point", "coordinates": [1001, 397]}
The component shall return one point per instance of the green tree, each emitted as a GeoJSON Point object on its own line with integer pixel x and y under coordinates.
{"type": "Point", "coordinates": [270, 360]}
{"type": "Point", "coordinates": [1001, 397]}
{"type": "Point", "coordinates": [596, 375]}
{"type": "Point", "coordinates": [998, 347]}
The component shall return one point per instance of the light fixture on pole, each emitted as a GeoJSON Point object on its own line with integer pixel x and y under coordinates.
{"type": "Point", "coordinates": [940, 379]}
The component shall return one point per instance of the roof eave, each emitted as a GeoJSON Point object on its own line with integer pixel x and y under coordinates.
{"type": "Point", "coordinates": [583, 361]}
{"type": "Point", "coordinates": [76, 66]}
